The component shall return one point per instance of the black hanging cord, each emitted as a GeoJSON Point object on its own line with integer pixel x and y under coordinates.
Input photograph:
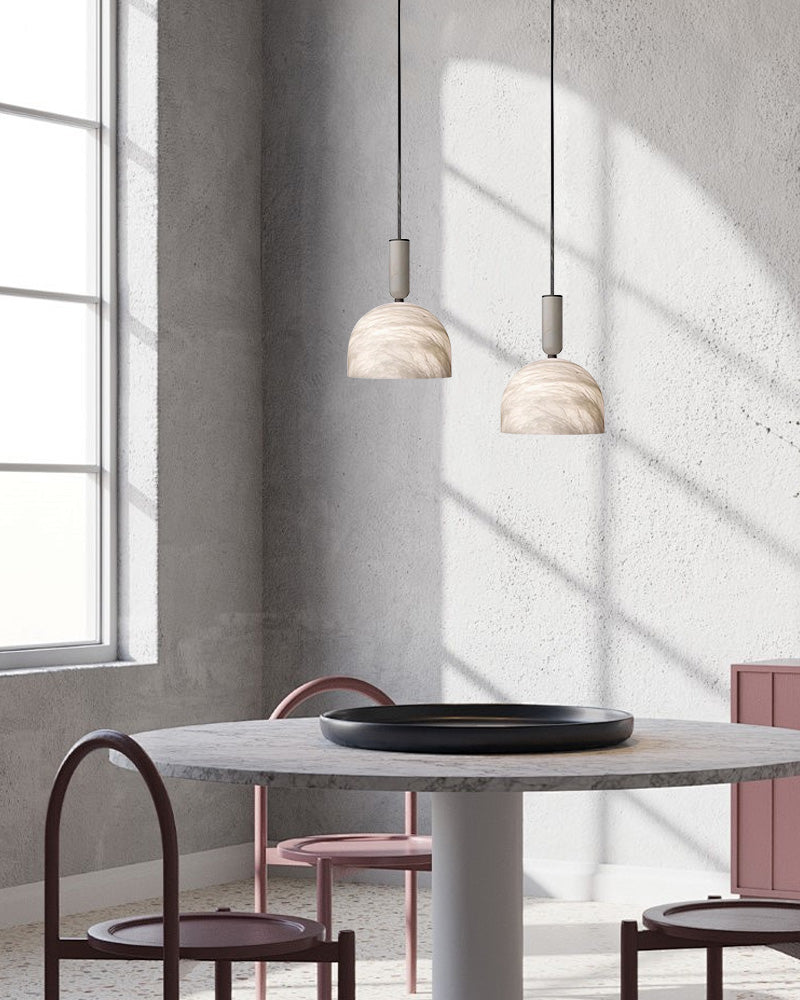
{"type": "Point", "coordinates": [399, 129]}
{"type": "Point", "coordinates": [552, 160]}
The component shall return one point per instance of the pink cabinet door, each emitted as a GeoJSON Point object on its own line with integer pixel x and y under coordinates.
{"type": "Point", "coordinates": [765, 860]}
{"type": "Point", "coordinates": [786, 792]}
{"type": "Point", "coordinates": [751, 870]}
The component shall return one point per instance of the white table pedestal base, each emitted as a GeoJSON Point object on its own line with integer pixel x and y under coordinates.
{"type": "Point", "coordinates": [477, 896]}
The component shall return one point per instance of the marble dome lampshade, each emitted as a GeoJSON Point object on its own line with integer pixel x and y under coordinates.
{"type": "Point", "coordinates": [399, 340]}
{"type": "Point", "coordinates": [552, 396]}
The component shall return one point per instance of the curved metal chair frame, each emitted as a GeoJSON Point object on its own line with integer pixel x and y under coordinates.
{"type": "Point", "coordinates": [57, 948]}
{"type": "Point", "coordinates": [264, 856]}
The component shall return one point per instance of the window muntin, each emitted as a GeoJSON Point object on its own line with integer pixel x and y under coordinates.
{"type": "Point", "coordinates": [57, 350]}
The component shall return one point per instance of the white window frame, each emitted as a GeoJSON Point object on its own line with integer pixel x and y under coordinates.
{"type": "Point", "coordinates": [104, 650]}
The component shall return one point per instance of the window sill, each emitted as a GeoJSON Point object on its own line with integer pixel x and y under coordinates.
{"type": "Point", "coordinates": [63, 668]}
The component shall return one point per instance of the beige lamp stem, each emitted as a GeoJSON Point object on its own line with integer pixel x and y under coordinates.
{"type": "Point", "coordinates": [399, 280]}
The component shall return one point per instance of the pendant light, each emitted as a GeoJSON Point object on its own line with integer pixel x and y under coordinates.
{"type": "Point", "coordinates": [398, 339]}
{"type": "Point", "coordinates": [552, 396]}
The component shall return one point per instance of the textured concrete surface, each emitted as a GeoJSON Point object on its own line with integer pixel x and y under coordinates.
{"type": "Point", "coordinates": [411, 543]}
{"type": "Point", "coordinates": [190, 407]}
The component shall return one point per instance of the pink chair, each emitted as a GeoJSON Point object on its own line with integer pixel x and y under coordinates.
{"type": "Point", "coordinates": [403, 851]}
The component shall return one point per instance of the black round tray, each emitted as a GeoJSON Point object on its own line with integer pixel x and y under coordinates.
{"type": "Point", "coordinates": [476, 729]}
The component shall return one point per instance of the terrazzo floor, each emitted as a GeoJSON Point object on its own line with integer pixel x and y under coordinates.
{"type": "Point", "coordinates": [570, 948]}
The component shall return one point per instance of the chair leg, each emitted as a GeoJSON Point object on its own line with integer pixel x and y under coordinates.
{"type": "Point", "coordinates": [222, 981]}
{"type": "Point", "coordinates": [324, 916]}
{"type": "Point", "coordinates": [629, 960]}
{"type": "Point", "coordinates": [346, 984]}
{"type": "Point", "coordinates": [713, 973]}
{"type": "Point", "coordinates": [411, 932]}
{"type": "Point", "coordinates": [51, 973]}
{"type": "Point", "coordinates": [260, 877]}
{"type": "Point", "coordinates": [714, 970]}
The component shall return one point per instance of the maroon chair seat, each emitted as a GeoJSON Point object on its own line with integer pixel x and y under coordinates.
{"type": "Point", "coordinates": [392, 851]}
{"type": "Point", "coordinates": [222, 937]}
{"type": "Point", "coordinates": [712, 924]}
{"type": "Point", "coordinates": [728, 921]}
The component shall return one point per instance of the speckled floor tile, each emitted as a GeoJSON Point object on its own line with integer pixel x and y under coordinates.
{"type": "Point", "coordinates": [571, 954]}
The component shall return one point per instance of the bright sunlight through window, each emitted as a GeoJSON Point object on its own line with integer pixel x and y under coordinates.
{"type": "Point", "coordinates": [57, 303]}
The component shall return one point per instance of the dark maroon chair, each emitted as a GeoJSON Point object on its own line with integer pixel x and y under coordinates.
{"type": "Point", "coordinates": [407, 851]}
{"type": "Point", "coordinates": [712, 924]}
{"type": "Point", "coordinates": [222, 937]}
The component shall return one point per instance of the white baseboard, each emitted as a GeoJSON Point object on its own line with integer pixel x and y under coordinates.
{"type": "Point", "coordinates": [640, 886]}
{"type": "Point", "coordinates": [621, 883]}
{"type": "Point", "coordinates": [575, 880]}
{"type": "Point", "coordinates": [23, 904]}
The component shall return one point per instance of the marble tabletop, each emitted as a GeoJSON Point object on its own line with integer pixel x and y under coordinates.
{"type": "Point", "coordinates": [292, 753]}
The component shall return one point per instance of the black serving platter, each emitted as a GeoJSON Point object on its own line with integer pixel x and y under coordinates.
{"type": "Point", "coordinates": [476, 729]}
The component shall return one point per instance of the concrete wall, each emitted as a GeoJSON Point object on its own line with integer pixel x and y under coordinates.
{"type": "Point", "coordinates": [407, 540]}
{"type": "Point", "coordinates": [190, 402]}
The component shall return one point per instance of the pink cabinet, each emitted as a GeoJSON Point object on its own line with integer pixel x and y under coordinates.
{"type": "Point", "coordinates": [765, 815]}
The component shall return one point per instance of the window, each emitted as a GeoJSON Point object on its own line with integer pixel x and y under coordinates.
{"type": "Point", "coordinates": [57, 319]}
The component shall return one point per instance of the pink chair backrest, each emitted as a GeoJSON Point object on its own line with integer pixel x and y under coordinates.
{"type": "Point", "coordinates": [338, 682]}
{"type": "Point", "coordinates": [341, 682]}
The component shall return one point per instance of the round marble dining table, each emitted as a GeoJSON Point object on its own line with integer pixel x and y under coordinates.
{"type": "Point", "coordinates": [476, 806]}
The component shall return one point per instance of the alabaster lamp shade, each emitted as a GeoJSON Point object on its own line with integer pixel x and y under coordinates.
{"type": "Point", "coordinates": [552, 396]}
{"type": "Point", "coordinates": [398, 340]}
